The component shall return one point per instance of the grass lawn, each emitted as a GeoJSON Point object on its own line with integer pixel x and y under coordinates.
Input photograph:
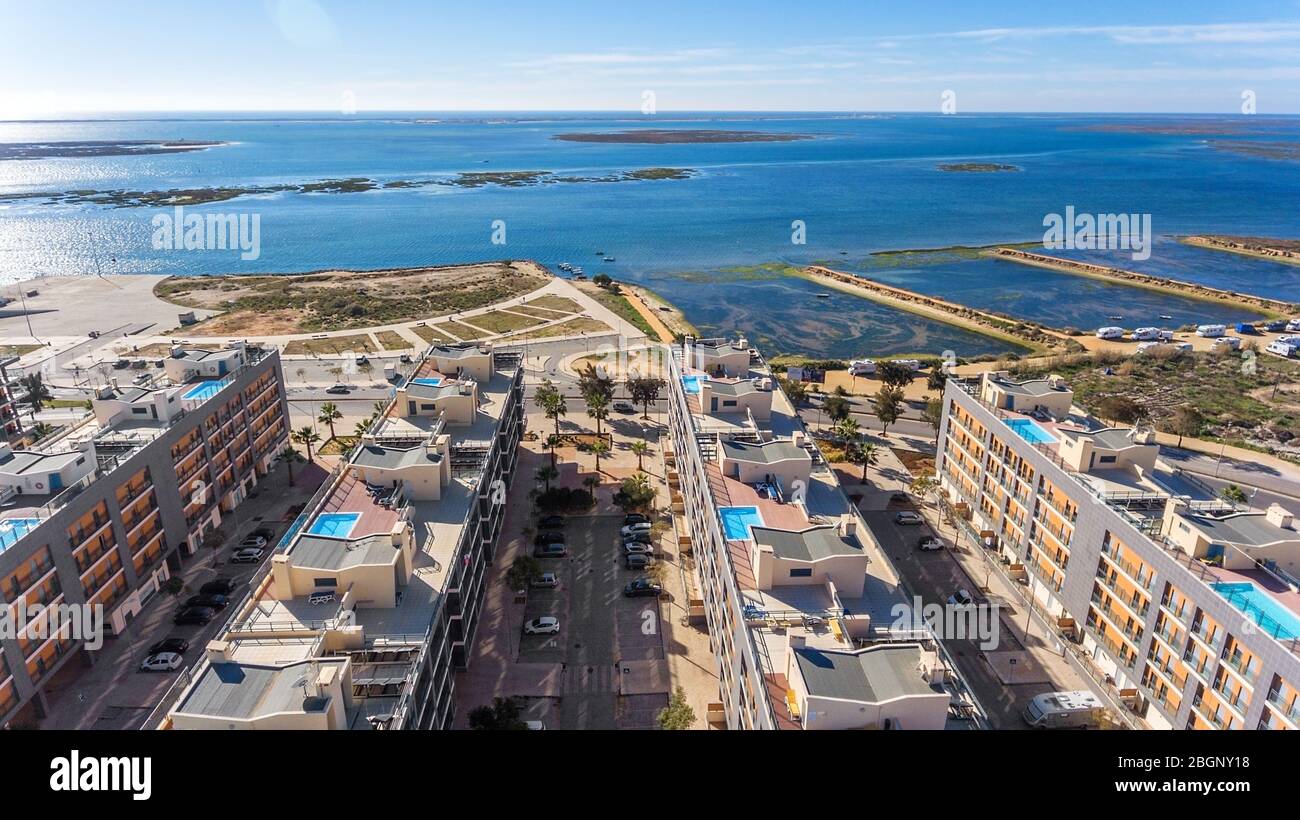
{"type": "Point", "coordinates": [338, 445]}
{"type": "Point", "coordinates": [573, 326]}
{"type": "Point", "coordinates": [392, 340]}
{"type": "Point", "coordinates": [18, 350]}
{"type": "Point", "coordinates": [540, 313]}
{"type": "Point", "coordinates": [63, 403]}
{"type": "Point", "coordinates": [332, 346]}
{"type": "Point", "coordinates": [463, 331]}
{"type": "Point", "coordinates": [552, 302]}
{"type": "Point", "coordinates": [499, 321]}
{"type": "Point", "coordinates": [431, 334]}
{"type": "Point", "coordinates": [618, 303]}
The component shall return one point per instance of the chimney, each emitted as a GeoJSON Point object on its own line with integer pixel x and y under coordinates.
{"type": "Point", "coordinates": [795, 639]}
{"type": "Point", "coordinates": [218, 652]}
{"type": "Point", "coordinates": [848, 525]}
{"type": "Point", "coordinates": [113, 382]}
{"type": "Point", "coordinates": [1278, 516]}
{"type": "Point", "coordinates": [177, 351]}
{"type": "Point", "coordinates": [796, 438]}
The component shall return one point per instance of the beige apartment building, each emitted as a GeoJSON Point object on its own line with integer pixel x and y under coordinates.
{"type": "Point", "coordinates": [1187, 605]}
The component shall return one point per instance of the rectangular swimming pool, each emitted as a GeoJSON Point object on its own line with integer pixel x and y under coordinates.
{"type": "Point", "coordinates": [1271, 616]}
{"type": "Point", "coordinates": [11, 529]}
{"type": "Point", "coordinates": [736, 522]}
{"type": "Point", "coordinates": [691, 384]}
{"type": "Point", "coordinates": [335, 525]}
{"type": "Point", "coordinates": [1028, 430]}
{"type": "Point", "coordinates": [429, 380]}
{"type": "Point", "coordinates": [203, 390]}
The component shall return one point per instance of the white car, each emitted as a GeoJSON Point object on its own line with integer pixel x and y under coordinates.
{"type": "Point", "coordinates": [248, 555]}
{"type": "Point", "coordinates": [535, 725]}
{"type": "Point", "coordinates": [547, 579]}
{"type": "Point", "coordinates": [633, 529]}
{"type": "Point", "coordinates": [637, 548]}
{"type": "Point", "coordinates": [542, 626]}
{"type": "Point", "coordinates": [929, 543]}
{"type": "Point", "coordinates": [162, 662]}
{"type": "Point", "coordinates": [961, 598]}
{"type": "Point", "coordinates": [253, 542]}
{"type": "Point", "coordinates": [908, 518]}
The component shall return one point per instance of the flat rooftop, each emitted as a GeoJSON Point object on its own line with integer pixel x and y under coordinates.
{"type": "Point", "coordinates": [873, 675]}
{"type": "Point", "coordinates": [245, 691]}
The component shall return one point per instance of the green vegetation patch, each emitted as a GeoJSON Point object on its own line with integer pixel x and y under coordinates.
{"type": "Point", "coordinates": [431, 334]}
{"type": "Point", "coordinates": [331, 346]}
{"type": "Point", "coordinates": [618, 303]}
{"type": "Point", "coordinates": [463, 331]}
{"type": "Point", "coordinates": [392, 340]}
{"type": "Point", "coordinates": [499, 321]}
{"type": "Point", "coordinates": [552, 302]}
{"type": "Point", "coordinates": [571, 327]}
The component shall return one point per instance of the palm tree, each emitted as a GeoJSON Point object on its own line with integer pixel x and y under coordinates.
{"type": "Point", "coordinates": [847, 429]}
{"type": "Point", "coordinates": [866, 454]}
{"type": "Point", "coordinates": [546, 474]}
{"type": "Point", "coordinates": [37, 392]}
{"type": "Point", "coordinates": [639, 449]}
{"type": "Point", "coordinates": [551, 401]}
{"type": "Point", "coordinates": [289, 457]}
{"type": "Point", "coordinates": [306, 437]}
{"type": "Point", "coordinates": [40, 430]}
{"type": "Point", "coordinates": [329, 413]}
{"type": "Point", "coordinates": [591, 482]}
{"type": "Point", "coordinates": [363, 427]}
{"type": "Point", "coordinates": [552, 441]}
{"type": "Point", "coordinates": [599, 449]}
{"type": "Point", "coordinates": [923, 486]}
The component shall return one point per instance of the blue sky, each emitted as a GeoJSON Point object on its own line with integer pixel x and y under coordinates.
{"type": "Point", "coordinates": [60, 58]}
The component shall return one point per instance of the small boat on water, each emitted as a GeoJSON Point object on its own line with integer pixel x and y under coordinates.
{"type": "Point", "coordinates": [823, 295]}
{"type": "Point", "coordinates": [609, 259]}
{"type": "Point", "coordinates": [564, 266]}
{"type": "Point", "coordinates": [1166, 317]}
{"type": "Point", "coordinates": [1114, 318]}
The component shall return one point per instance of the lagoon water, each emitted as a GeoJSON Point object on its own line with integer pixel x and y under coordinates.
{"type": "Point", "coordinates": [862, 185]}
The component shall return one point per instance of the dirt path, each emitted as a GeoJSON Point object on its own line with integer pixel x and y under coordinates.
{"type": "Point", "coordinates": [637, 300]}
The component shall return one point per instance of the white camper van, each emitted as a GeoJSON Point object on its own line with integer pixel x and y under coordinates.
{"type": "Point", "coordinates": [1146, 334]}
{"type": "Point", "coordinates": [1064, 710]}
{"type": "Point", "coordinates": [1280, 348]}
{"type": "Point", "coordinates": [1110, 333]}
{"type": "Point", "coordinates": [862, 367]}
{"type": "Point", "coordinates": [1211, 331]}
{"type": "Point", "coordinates": [1230, 342]}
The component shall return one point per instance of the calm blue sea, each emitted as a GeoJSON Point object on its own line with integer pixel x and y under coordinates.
{"type": "Point", "coordinates": [864, 184]}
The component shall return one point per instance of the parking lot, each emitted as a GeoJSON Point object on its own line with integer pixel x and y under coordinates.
{"type": "Point", "coordinates": [936, 575]}
{"type": "Point", "coordinates": [599, 626]}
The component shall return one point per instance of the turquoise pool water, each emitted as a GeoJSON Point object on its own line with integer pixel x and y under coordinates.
{"type": "Point", "coordinates": [203, 390]}
{"type": "Point", "coordinates": [335, 525]}
{"type": "Point", "coordinates": [692, 383]}
{"type": "Point", "coordinates": [736, 521]}
{"type": "Point", "coordinates": [429, 380]}
{"type": "Point", "coordinates": [1271, 616]}
{"type": "Point", "coordinates": [11, 529]}
{"type": "Point", "coordinates": [1030, 431]}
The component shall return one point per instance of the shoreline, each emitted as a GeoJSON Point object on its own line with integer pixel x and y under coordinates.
{"type": "Point", "coordinates": [1269, 308]}
{"type": "Point", "coordinates": [950, 313]}
{"type": "Point", "coordinates": [1226, 244]}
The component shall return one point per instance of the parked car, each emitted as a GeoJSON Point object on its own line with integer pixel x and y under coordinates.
{"type": "Point", "coordinates": [635, 518]}
{"type": "Point", "coordinates": [636, 561]}
{"type": "Point", "coordinates": [253, 542]}
{"type": "Point", "coordinates": [550, 551]}
{"type": "Point", "coordinates": [637, 548]}
{"type": "Point", "coordinates": [545, 625]}
{"type": "Point", "coordinates": [551, 522]}
{"type": "Point", "coordinates": [264, 532]}
{"type": "Point", "coordinates": [363, 360]}
{"type": "Point", "coordinates": [641, 587]}
{"type": "Point", "coordinates": [162, 662]}
{"type": "Point", "coordinates": [548, 538]}
{"type": "Point", "coordinates": [961, 598]}
{"type": "Point", "coordinates": [218, 586]}
{"type": "Point", "coordinates": [624, 407]}
{"type": "Point", "coordinates": [217, 602]}
{"type": "Point", "coordinates": [199, 615]}
{"type": "Point", "coordinates": [534, 726]}
{"type": "Point", "coordinates": [908, 518]}
{"type": "Point", "coordinates": [174, 646]}
{"type": "Point", "coordinates": [643, 526]}
{"type": "Point", "coordinates": [900, 498]}
{"type": "Point", "coordinates": [929, 543]}
{"type": "Point", "coordinates": [639, 538]}
{"type": "Point", "coordinates": [250, 555]}
{"type": "Point", "coordinates": [338, 390]}
{"type": "Point", "coordinates": [547, 580]}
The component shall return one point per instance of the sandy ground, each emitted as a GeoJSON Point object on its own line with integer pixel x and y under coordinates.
{"type": "Point", "coordinates": [76, 305]}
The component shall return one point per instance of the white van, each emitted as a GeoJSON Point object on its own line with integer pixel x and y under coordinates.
{"type": "Point", "coordinates": [1064, 710]}
{"type": "Point", "coordinates": [911, 364]}
{"type": "Point", "coordinates": [1166, 335]}
{"type": "Point", "coordinates": [1281, 348]}
{"type": "Point", "coordinates": [1110, 333]}
{"type": "Point", "coordinates": [1233, 342]}
{"type": "Point", "coordinates": [1145, 346]}
{"type": "Point", "coordinates": [862, 367]}
{"type": "Point", "coordinates": [1146, 334]}
{"type": "Point", "coordinates": [1294, 324]}
{"type": "Point", "coordinates": [1211, 331]}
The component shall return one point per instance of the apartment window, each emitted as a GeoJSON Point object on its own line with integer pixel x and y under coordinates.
{"type": "Point", "coordinates": [322, 583]}
{"type": "Point", "coordinates": [801, 573]}
{"type": "Point", "coordinates": [729, 403]}
{"type": "Point", "coordinates": [1107, 459]}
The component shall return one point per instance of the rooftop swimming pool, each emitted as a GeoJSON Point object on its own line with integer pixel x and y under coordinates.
{"type": "Point", "coordinates": [736, 522]}
{"type": "Point", "coordinates": [1029, 430]}
{"type": "Point", "coordinates": [1260, 607]}
{"type": "Point", "coordinates": [429, 380]}
{"type": "Point", "coordinates": [691, 384]}
{"type": "Point", "coordinates": [203, 390]}
{"type": "Point", "coordinates": [11, 529]}
{"type": "Point", "coordinates": [335, 525]}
